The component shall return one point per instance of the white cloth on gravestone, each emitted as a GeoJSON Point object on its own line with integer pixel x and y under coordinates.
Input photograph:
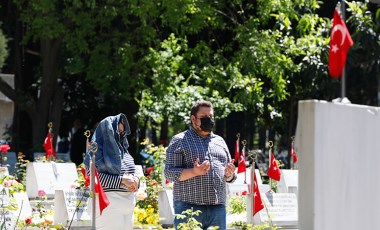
{"type": "Point", "coordinates": [119, 213]}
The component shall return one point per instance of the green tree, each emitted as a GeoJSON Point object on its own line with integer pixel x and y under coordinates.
{"type": "Point", "coordinates": [3, 49]}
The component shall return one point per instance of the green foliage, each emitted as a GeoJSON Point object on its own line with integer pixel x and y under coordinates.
{"type": "Point", "coordinates": [237, 204]}
{"type": "Point", "coordinates": [191, 222]}
{"type": "Point", "coordinates": [3, 49]}
{"type": "Point", "coordinates": [21, 168]}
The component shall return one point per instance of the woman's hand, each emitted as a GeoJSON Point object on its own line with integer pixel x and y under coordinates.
{"type": "Point", "coordinates": [130, 182]}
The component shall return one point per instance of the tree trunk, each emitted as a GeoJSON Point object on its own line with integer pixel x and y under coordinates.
{"type": "Point", "coordinates": [44, 111]}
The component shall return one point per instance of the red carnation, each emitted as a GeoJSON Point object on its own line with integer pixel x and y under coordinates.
{"type": "Point", "coordinates": [149, 170]}
{"type": "Point", "coordinates": [4, 148]}
{"type": "Point", "coordinates": [28, 220]}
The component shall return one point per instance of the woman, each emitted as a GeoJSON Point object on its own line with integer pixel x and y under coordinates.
{"type": "Point", "coordinates": [116, 170]}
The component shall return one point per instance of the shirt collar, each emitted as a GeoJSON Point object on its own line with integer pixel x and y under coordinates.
{"type": "Point", "coordinates": [195, 132]}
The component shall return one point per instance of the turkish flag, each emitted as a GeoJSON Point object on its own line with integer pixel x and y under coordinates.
{"type": "Point", "coordinates": [103, 199]}
{"type": "Point", "coordinates": [48, 146]}
{"type": "Point", "coordinates": [294, 154]}
{"type": "Point", "coordinates": [258, 203]}
{"type": "Point", "coordinates": [340, 43]}
{"type": "Point", "coordinates": [236, 157]}
{"type": "Point", "coordinates": [241, 164]}
{"type": "Point", "coordinates": [274, 171]}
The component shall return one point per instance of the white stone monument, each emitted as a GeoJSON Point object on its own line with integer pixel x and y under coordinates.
{"type": "Point", "coordinates": [140, 173]}
{"type": "Point", "coordinates": [242, 183]}
{"type": "Point", "coordinates": [71, 207]}
{"type": "Point", "coordinates": [166, 207]}
{"type": "Point", "coordinates": [338, 146]}
{"type": "Point", "coordinates": [49, 176]}
{"type": "Point", "coordinates": [282, 209]}
{"type": "Point", "coordinates": [288, 182]}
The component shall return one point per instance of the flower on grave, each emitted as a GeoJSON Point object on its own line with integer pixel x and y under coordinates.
{"type": "Point", "coordinates": [41, 193]}
{"type": "Point", "coordinates": [237, 203]}
{"type": "Point", "coordinates": [149, 170]}
{"type": "Point", "coordinates": [141, 196]}
{"type": "Point", "coordinates": [11, 184]}
{"type": "Point", "coordinates": [28, 220]}
{"type": "Point", "coordinates": [4, 149]}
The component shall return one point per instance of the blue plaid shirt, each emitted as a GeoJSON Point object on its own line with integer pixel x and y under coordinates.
{"type": "Point", "coordinates": [183, 150]}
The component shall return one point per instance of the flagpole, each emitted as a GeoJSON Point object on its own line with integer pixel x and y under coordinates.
{"type": "Point", "coordinates": [270, 160]}
{"type": "Point", "coordinates": [93, 149]}
{"type": "Point", "coordinates": [244, 142]}
{"type": "Point", "coordinates": [50, 125]}
{"type": "Point", "coordinates": [251, 210]}
{"type": "Point", "coordinates": [291, 155]}
{"type": "Point", "coordinates": [253, 190]}
{"type": "Point", "coordinates": [87, 134]}
{"type": "Point", "coordinates": [343, 82]}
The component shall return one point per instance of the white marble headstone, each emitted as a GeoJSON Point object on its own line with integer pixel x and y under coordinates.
{"type": "Point", "coordinates": [282, 209]}
{"type": "Point", "coordinates": [71, 207]}
{"type": "Point", "coordinates": [166, 207]}
{"type": "Point", "coordinates": [288, 182]}
{"type": "Point", "coordinates": [338, 165]}
{"type": "Point", "coordinates": [243, 182]}
{"type": "Point", "coordinates": [140, 173]}
{"type": "Point", "coordinates": [49, 176]}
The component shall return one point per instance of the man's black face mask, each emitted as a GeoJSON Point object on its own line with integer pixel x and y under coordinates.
{"type": "Point", "coordinates": [207, 124]}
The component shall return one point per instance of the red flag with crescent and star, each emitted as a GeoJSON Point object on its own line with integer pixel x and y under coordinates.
{"type": "Point", "coordinates": [236, 157]}
{"type": "Point", "coordinates": [293, 154]}
{"type": "Point", "coordinates": [241, 165]}
{"type": "Point", "coordinates": [274, 171]}
{"type": "Point", "coordinates": [258, 203]}
{"type": "Point", "coordinates": [48, 146]}
{"type": "Point", "coordinates": [340, 43]}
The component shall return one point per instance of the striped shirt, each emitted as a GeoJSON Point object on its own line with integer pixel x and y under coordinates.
{"type": "Point", "coordinates": [112, 182]}
{"type": "Point", "coordinates": [183, 150]}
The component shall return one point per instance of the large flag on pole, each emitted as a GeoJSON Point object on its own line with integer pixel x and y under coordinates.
{"type": "Point", "coordinates": [236, 157]}
{"type": "Point", "coordinates": [241, 165]}
{"type": "Point", "coordinates": [103, 199]}
{"type": "Point", "coordinates": [274, 171]}
{"type": "Point", "coordinates": [340, 43]}
{"type": "Point", "coordinates": [258, 203]}
{"type": "Point", "coordinates": [293, 154]}
{"type": "Point", "coordinates": [48, 146]}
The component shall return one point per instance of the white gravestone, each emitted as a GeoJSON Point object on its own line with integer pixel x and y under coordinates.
{"type": "Point", "coordinates": [6, 216]}
{"type": "Point", "coordinates": [49, 177]}
{"type": "Point", "coordinates": [166, 207]}
{"type": "Point", "coordinates": [339, 158]}
{"type": "Point", "coordinates": [140, 173]}
{"type": "Point", "coordinates": [288, 182]}
{"type": "Point", "coordinates": [71, 207]}
{"type": "Point", "coordinates": [9, 217]}
{"type": "Point", "coordinates": [242, 183]}
{"type": "Point", "coordinates": [281, 207]}
{"type": "Point", "coordinates": [24, 208]}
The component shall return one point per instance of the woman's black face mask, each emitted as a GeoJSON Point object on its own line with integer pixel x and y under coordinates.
{"type": "Point", "coordinates": [207, 124]}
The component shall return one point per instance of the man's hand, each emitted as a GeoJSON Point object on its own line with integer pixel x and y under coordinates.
{"type": "Point", "coordinates": [201, 169]}
{"type": "Point", "coordinates": [230, 170]}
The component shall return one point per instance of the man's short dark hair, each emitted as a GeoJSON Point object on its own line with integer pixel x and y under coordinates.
{"type": "Point", "coordinates": [196, 105]}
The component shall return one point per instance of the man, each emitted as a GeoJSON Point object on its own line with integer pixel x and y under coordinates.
{"type": "Point", "coordinates": [199, 164]}
{"type": "Point", "coordinates": [78, 142]}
